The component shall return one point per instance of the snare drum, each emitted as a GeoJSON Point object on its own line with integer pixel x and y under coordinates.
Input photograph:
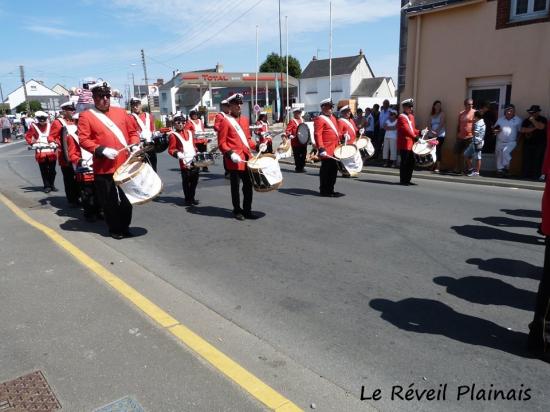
{"type": "Point", "coordinates": [365, 146]}
{"type": "Point", "coordinates": [350, 159]}
{"type": "Point", "coordinates": [424, 154]}
{"type": "Point", "coordinates": [138, 180]}
{"type": "Point", "coordinates": [203, 159]}
{"type": "Point", "coordinates": [305, 133]}
{"type": "Point", "coordinates": [265, 173]}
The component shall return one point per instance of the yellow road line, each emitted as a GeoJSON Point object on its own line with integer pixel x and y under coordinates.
{"type": "Point", "coordinates": [246, 380]}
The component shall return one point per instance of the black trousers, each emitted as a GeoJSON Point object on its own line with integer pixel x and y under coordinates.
{"type": "Point", "coordinates": [235, 178]}
{"type": "Point", "coordinates": [539, 334]}
{"type": "Point", "coordinates": [299, 153]}
{"type": "Point", "coordinates": [88, 198]}
{"type": "Point", "coordinates": [189, 181]}
{"type": "Point", "coordinates": [407, 166]}
{"type": "Point", "coordinates": [72, 191]}
{"type": "Point", "coordinates": [533, 156]}
{"type": "Point", "coordinates": [327, 176]}
{"type": "Point", "coordinates": [116, 207]}
{"type": "Point", "coordinates": [47, 170]}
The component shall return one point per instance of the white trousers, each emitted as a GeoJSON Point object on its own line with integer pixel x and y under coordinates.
{"type": "Point", "coordinates": [390, 146]}
{"type": "Point", "coordinates": [503, 154]}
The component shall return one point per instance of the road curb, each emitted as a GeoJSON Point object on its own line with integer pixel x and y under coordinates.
{"type": "Point", "coordinates": [478, 181]}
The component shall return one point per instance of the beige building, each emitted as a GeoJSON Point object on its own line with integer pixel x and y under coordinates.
{"type": "Point", "coordinates": [490, 50]}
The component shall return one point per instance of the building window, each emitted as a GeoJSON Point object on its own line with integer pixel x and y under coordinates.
{"type": "Point", "coordinates": [164, 98]}
{"type": "Point", "coordinates": [528, 9]}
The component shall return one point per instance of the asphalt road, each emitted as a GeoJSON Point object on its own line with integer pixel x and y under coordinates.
{"type": "Point", "coordinates": [428, 285]}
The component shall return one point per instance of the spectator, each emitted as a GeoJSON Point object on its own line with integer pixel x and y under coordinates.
{"type": "Point", "coordinates": [390, 139]}
{"type": "Point", "coordinates": [437, 130]}
{"type": "Point", "coordinates": [378, 139]}
{"type": "Point", "coordinates": [464, 133]}
{"type": "Point", "coordinates": [474, 150]}
{"type": "Point", "coordinates": [6, 128]}
{"type": "Point", "coordinates": [359, 120]}
{"type": "Point", "coordinates": [369, 123]}
{"type": "Point", "coordinates": [384, 115]}
{"type": "Point", "coordinates": [533, 130]}
{"type": "Point", "coordinates": [507, 129]}
{"type": "Point", "coordinates": [490, 116]}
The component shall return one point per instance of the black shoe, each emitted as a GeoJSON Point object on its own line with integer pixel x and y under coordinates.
{"type": "Point", "coordinates": [127, 233]}
{"type": "Point", "coordinates": [188, 203]}
{"type": "Point", "coordinates": [195, 202]}
{"type": "Point", "coordinates": [238, 216]}
{"type": "Point", "coordinates": [116, 236]}
{"type": "Point", "coordinates": [47, 190]}
{"type": "Point", "coordinates": [55, 189]}
{"type": "Point", "coordinates": [250, 216]}
{"type": "Point", "coordinates": [325, 194]}
{"type": "Point", "coordinates": [337, 194]}
{"type": "Point", "coordinates": [412, 184]}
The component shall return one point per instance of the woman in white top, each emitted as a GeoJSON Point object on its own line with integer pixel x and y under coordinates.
{"type": "Point", "coordinates": [437, 129]}
{"type": "Point", "coordinates": [390, 140]}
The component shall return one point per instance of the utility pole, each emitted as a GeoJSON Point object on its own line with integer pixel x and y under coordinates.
{"type": "Point", "coordinates": [146, 81]}
{"type": "Point", "coordinates": [1, 94]}
{"type": "Point", "coordinates": [22, 72]}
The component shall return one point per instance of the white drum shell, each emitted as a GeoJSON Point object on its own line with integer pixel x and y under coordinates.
{"type": "Point", "coordinates": [140, 183]}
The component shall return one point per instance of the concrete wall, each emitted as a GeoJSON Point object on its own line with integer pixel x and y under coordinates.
{"type": "Point", "coordinates": [456, 46]}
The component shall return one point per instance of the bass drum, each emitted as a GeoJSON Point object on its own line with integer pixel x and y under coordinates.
{"type": "Point", "coordinates": [305, 133]}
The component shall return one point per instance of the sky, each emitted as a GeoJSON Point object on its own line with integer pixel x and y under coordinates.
{"type": "Point", "coordinates": [65, 41]}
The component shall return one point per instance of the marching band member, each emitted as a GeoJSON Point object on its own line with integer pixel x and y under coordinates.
{"type": "Point", "coordinates": [219, 117]}
{"type": "Point", "coordinates": [236, 144]}
{"type": "Point", "coordinates": [194, 124]}
{"type": "Point", "coordinates": [45, 154]}
{"type": "Point", "coordinates": [347, 126]}
{"type": "Point", "coordinates": [263, 132]}
{"type": "Point", "coordinates": [406, 135]}
{"type": "Point", "coordinates": [109, 134]}
{"type": "Point", "coordinates": [145, 124]}
{"type": "Point", "coordinates": [299, 150]}
{"type": "Point", "coordinates": [65, 121]}
{"type": "Point", "coordinates": [82, 161]}
{"type": "Point", "coordinates": [182, 146]}
{"type": "Point", "coordinates": [327, 137]}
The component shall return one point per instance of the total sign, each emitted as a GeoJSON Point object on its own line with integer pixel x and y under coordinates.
{"type": "Point", "coordinates": [215, 77]}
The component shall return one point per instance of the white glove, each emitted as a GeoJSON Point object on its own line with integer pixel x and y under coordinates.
{"type": "Point", "coordinates": [188, 160]}
{"type": "Point", "coordinates": [263, 147]}
{"type": "Point", "coordinates": [134, 148]}
{"type": "Point", "coordinates": [322, 153]}
{"type": "Point", "coordinates": [147, 135]}
{"type": "Point", "coordinates": [346, 138]}
{"type": "Point", "coordinates": [361, 131]}
{"type": "Point", "coordinates": [181, 156]}
{"type": "Point", "coordinates": [423, 132]}
{"type": "Point", "coordinates": [53, 145]}
{"type": "Point", "coordinates": [277, 155]}
{"type": "Point", "coordinates": [236, 158]}
{"type": "Point", "coordinates": [110, 153]}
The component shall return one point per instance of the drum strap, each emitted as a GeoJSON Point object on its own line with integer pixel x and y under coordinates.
{"type": "Point", "coordinates": [348, 123]}
{"type": "Point", "coordinates": [330, 123]}
{"type": "Point", "coordinates": [187, 145]}
{"type": "Point", "coordinates": [42, 136]}
{"type": "Point", "coordinates": [145, 127]}
{"type": "Point", "coordinates": [408, 121]}
{"type": "Point", "coordinates": [238, 129]}
{"type": "Point", "coordinates": [297, 122]}
{"type": "Point", "coordinates": [198, 125]}
{"type": "Point", "coordinates": [110, 125]}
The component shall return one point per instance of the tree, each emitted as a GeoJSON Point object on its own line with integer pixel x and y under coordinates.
{"type": "Point", "coordinates": [275, 64]}
{"type": "Point", "coordinates": [34, 105]}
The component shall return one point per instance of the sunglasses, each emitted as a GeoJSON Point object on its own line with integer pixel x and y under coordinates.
{"type": "Point", "coordinates": [178, 122]}
{"type": "Point", "coordinates": [104, 96]}
{"type": "Point", "coordinates": [69, 109]}
{"type": "Point", "coordinates": [41, 119]}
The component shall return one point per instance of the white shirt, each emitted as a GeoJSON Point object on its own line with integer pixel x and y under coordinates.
{"type": "Point", "coordinates": [370, 120]}
{"type": "Point", "coordinates": [391, 134]}
{"type": "Point", "coordinates": [509, 129]}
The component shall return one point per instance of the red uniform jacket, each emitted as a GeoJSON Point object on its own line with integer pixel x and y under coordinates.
{"type": "Point", "coordinates": [32, 137]}
{"type": "Point", "coordinates": [229, 141]}
{"type": "Point", "coordinates": [55, 137]}
{"type": "Point", "coordinates": [75, 155]}
{"type": "Point", "coordinates": [175, 145]}
{"type": "Point", "coordinates": [263, 129]}
{"type": "Point", "coordinates": [406, 135]}
{"type": "Point", "coordinates": [348, 127]}
{"type": "Point", "coordinates": [217, 120]}
{"type": "Point", "coordinates": [93, 134]}
{"type": "Point", "coordinates": [292, 130]}
{"type": "Point", "coordinates": [195, 126]}
{"type": "Point", "coordinates": [546, 195]}
{"type": "Point", "coordinates": [326, 137]}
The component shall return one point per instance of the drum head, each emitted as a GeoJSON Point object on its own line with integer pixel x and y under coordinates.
{"type": "Point", "coordinates": [421, 147]}
{"type": "Point", "coordinates": [361, 143]}
{"type": "Point", "coordinates": [345, 151]}
{"type": "Point", "coordinates": [303, 134]}
{"type": "Point", "coordinates": [126, 171]}
{"type": "Point", "coordinates": [261, 162]}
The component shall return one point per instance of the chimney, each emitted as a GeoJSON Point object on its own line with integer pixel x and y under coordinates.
{"type": "Point", "coordinates": [314, 58]}
{"type": "Point", "coordinates": [160, 82]}
{"type": "Point", "coordinates": [360, 52]}
{"type": "Point", "coordinates": [219, 68]}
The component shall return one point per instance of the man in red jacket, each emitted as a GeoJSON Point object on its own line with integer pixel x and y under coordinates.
{"type": "Point", "coordinates": [37, 136]}
{"type": "Point", "coordinates": [539, 333]}
{"type": "Point", "coordinates": [182, 146]}
{"type": "Point", "coordinates": [236, 145]}
{"type": "Point", "coordinates": [327, 137]}
{"type": "Point", "coordinates": [299, 150]}
{"type": "Point", "coordinates": [145, 125]}
{"type": "Point", "coordinates": [406, 135]}
{"type": "Point", "coordinates": [65, 122]}
{"type": "Point", "coordinates": [110, 134]}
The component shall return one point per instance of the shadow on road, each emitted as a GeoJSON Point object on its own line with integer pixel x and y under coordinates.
{"type": "Point", "coordinates": [28, 189]}
{"type": "Point", "coordinates": [433, 317]}
{"type": "Point", "coordinates": [215, 211]}
{"type": "Point", "coordinates": [378, 182]}
{"type": "Point", "coordinates": [488, 291]}
{"type": "Point", "coordinates": [508, 267]}
{"type": "Point", "coordinates": [488, 233]}
{"type": "Point", "coordinates": [295, 191]}
{"type": "Point", "coordinates": [501, 221]}
{"type": "Point", "coordinates": [175, 200]}
{"type": "Point", "coordinates": [522, 212]}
